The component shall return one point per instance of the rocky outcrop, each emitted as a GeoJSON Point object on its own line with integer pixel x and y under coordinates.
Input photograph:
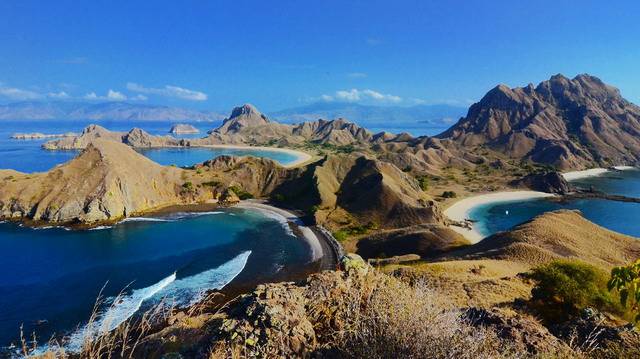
{"type": "Point", "coordinates": [183, 129]}
{"type": "Point", "coordinates": [425, 240]}
{"type": "Point", "coordinates": [106, 182]}
{"type": "Point", "coordinates": [134, 138]}
{"type": "Point", "coordinates": [568, 123]}
{"type": "Point", "coordinates": [549, 182]}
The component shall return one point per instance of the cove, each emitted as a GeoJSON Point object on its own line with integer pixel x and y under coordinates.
{"type": "Point", "coordinates": [617, 216]}
{"type": "Point", "coordinates": [52, 276]}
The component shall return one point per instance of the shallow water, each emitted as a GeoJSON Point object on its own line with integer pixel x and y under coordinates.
{"type": "Point", "coordinates": [623, 217]}
{"type": "Point", "coordinates": [55, 275]}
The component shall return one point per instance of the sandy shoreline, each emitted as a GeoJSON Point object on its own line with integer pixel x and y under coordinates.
{"type": "Point", "coordinates": [574, 175]}
{"type": "Point", "coordinates": [460, 210]}
{"type": "Point", "coordinates": [308, 235]}
{"type": "Point", "coordinates": [301, 157]}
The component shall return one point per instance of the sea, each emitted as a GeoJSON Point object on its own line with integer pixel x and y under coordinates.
{"type": "Point", "coordinates": [623, 217]}
{"type": "Point", "coordinates": [51, 277]}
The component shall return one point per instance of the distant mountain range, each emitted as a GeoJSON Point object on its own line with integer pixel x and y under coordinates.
{"type": "Point", "coordinates": [101, 111]}
{"type": "Point", "coordinates": [366, 115]}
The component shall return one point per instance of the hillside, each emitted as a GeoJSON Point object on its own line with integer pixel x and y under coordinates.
{"type": "Point", "coordinates": [106, 182]}
{"type": "Point", "coordinates": [568, 123]}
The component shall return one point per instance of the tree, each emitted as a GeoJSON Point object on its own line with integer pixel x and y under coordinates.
{"type": "Point", "coordinates": [626, 280]}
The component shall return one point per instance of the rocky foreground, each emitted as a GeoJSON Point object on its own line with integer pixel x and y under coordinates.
{"type": "Point", "coordinates": [477, 302]}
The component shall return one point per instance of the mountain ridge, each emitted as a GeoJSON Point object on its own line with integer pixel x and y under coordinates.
{"type": "Point", "coordinates": [567, 123]}
{"type": "Point", "coordinates": [61, 110]}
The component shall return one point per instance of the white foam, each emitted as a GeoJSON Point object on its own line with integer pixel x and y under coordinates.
{"type": "Point", "coordinates": [100, 228]}
{"type": "Point", "coordinates": [185, 291]}
{"type": "Point", "coordinates": [121, 309]}
{"type": "Point", "coordinates": [189, 290]}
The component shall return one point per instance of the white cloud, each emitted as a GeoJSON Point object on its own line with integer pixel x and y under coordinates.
{"type": "Point", "coordinates": [140, 98]}
{"type": "Point", "coordinates": [169, 91]}
{"type": "Point", "coordinates": [58, 95]}
{"type": "Point", "coordinates": [357, 75]}
{"type": "Point", "coordinates": [91, 96]}
{"type": "Point", "coordinates": [355, 95]}
{"type": "Point", "coordinates": [111, 96]}
{"type": "Point", "coordinates": [17, 94]}
{"type": "Point", "coordinates": [116, 96]}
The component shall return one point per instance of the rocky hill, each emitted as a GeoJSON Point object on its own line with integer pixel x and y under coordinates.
{"type": "Point", "coordinates": [106, 182]}
{"type": "Point", "coordinates": [568, 123]}
{"type": "Point", "coordinates": [134, 138]}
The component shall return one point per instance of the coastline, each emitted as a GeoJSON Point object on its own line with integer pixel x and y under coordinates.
{"type": "Point", "coordinates": [301, 157]}
{"type": "Point", "coordinates": [592, 172]}
{"type": "Point", "coordinates": [319, 252]}
{"type": "Point", "coordinates": [459, 211]}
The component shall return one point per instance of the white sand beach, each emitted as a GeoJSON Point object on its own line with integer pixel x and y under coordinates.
{"type": "Point", "coordinates": [285, 216]}
{"type": "Point", "coordinates": [301, 157]}
{"type": "Point", "coordinates": [460, 210]}
{"type": "Point", "coordinates": [574, 175]}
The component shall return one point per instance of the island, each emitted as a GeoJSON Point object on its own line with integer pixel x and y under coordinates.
{"type": "Point", "coordinates": [183, 129]}
{"type": "Point", "coordinates": [416, 271]}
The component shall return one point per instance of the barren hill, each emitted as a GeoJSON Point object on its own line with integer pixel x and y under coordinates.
{"type": "Point", "coordinates": [569, 123]}
{"type": "Point", "coordinates": [106, 182]}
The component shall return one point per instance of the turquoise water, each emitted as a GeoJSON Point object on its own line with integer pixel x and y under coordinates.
{"type": "Point", "coordinates": [28, 156]}
{"type": "Point", "coordinates": [622, 217]}
{"type": "Point", "coordinates": [184, 157]}
{"type": "Point", "coordinates": [51, 277]}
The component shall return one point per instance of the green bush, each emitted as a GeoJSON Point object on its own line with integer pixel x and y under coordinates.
{"type": "Point", "coordinates": [449, 194]}
{"type": "Point", "coordinates": [188, 186]}
{"type": "Point", "coordinates": [242, 194]}
{"type": "Point", "coordinates": [626, 281]}
{"type": "Point", "coordinates": [340, 235]}
{"type": "Point", "coordinates": [423, 181]}
{"type": "Point", "coordinates": [564, 288]}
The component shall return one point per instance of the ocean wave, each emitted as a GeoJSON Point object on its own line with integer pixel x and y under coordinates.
{"type": "Point", "coordinates": [189, 290]}
{"type": "Point", "coordinates": [171, 217]}
{"type": "Point", "coordinates": [100, 228]}
{"type": "Point", "coordinates": [184, 291]}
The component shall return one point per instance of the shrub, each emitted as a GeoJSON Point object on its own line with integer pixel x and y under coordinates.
{"type": "Point", "coordinates": [340, 235]}
{"type": "Point", "coordinates": [242, 194]}
{"type": "Point", "coordinates": [626, 281]}
{"type": "Point", "coordinates": [564, 288]}
{"type": "Point", "coordinates": [423, 181]}
{"type": "Point", "coordinates": [188, 186]}
{"type": "Point", "coordinates": [211, 183]}
{"type": "Point", "coordinates": [449, 194]}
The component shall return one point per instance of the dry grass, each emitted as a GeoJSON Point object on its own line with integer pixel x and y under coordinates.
{"type": "Point", "coordinates": [99, 341]}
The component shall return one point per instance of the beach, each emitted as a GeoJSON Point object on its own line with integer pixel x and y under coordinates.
{"type": "Point", "coordinates": [574, 175]}
{"type": "Point", "coordinates": [459, 211]}
{"type": "Point", "coordinates": [301, 157]}
{"type": "Point", "coordinates": [306, 233]}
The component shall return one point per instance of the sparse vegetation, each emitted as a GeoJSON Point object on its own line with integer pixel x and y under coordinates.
{"type": "Point", "coordinates": [566, 287]}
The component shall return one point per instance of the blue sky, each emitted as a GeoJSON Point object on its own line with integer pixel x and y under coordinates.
{"type": "Point", "coordinates": [277, 54]}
